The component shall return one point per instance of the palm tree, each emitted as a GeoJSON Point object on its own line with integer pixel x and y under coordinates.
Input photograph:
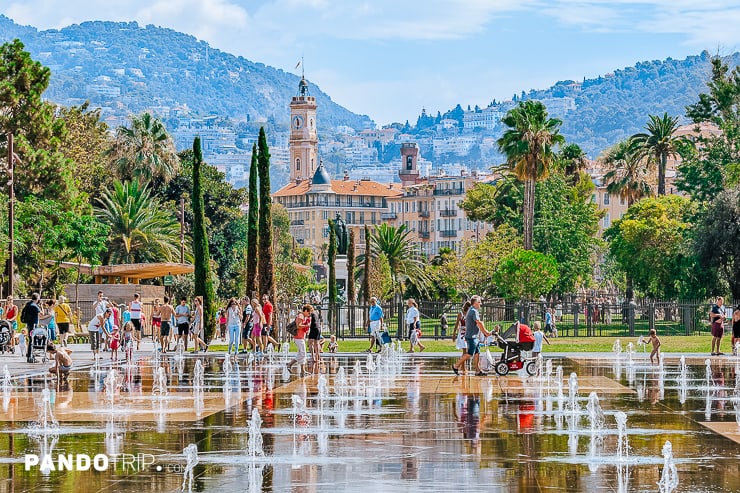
{"type": "Point", "coordinates": [573, 160]}
{"type": "Point", "coordinates": [659, 143]}
{"type": "Point", "coordinates": [528, 146]}
{"type": "Point", "coordinates": [627, 178]}
{"type": "Point", "coordinates": [145, 152]}
{"type": "Point", "coordinates": [140, 229]}
{"type": "Point", "coordinates": [628, 172]}
{"type": "Point", "coordinates": [404, 259]}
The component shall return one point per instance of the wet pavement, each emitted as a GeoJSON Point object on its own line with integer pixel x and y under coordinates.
{"type": "Point", "coordinates": [401, 423]}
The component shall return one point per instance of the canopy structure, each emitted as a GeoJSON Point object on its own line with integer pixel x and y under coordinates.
{"type": "Point", "coordinates": [127, 273]}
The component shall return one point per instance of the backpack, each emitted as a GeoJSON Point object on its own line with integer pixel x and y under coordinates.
{"type": "Point", "coordinates": [26, 313]}
{"type": "Point", "coordinates": [292, 328]}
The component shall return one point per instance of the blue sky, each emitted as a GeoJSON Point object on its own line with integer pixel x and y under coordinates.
{"type": "Point", "coordinates": [388, 59]}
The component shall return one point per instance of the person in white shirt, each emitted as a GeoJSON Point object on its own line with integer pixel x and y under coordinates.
{"type": "Point", "coordinates": [413, 324]}
{"type": "Point", "coordinates": [136, 310]}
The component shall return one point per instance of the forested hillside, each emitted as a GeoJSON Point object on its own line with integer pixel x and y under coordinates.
{"type": "Point", "coordinates": [129, 68]}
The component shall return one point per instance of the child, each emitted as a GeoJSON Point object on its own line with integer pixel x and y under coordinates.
{"type": "Point", "coordinates": [539, 336]}
{"type": "Point", "coordinates": [62, 361]}
{"type": "Point", "coordinates": [333, 346]}
{"type": "Point", "coordinates": [128, 340]}
{"type": "Point", "coordinates": [115, 338]}
{"type": "Point", "coordinates": [416, 339]}
{"type": "Point", "coordinates": [656, 346]}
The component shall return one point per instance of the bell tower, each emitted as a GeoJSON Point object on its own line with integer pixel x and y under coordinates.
{"type": "Point", "coordinates": [409, 172]}
{"type": "Point", "coordinates": [304, 138]}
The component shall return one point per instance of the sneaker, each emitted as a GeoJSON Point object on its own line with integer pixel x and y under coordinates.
{"type": "Point", "coordinates": [455, 370]}
{"type": "Point", "coordinates": [713, 354]}
{"type": "Point", "coordinates": [720, 354]}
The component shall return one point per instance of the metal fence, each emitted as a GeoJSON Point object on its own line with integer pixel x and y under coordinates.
{"type": "Point", "coordinates": [572, 318]}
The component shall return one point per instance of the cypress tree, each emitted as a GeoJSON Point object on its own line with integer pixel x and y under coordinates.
{"type": "Point", "coordinates": [351, 268]}
{"type": "Point", "coordinates": [266, 267]}
{"type": "Point", "coordinates": [252, 229]}
{"type": "Point", "coordinates": [366, 295]}
{"type": "Point", "coordinates": [332, 273]}
{"type": "Point", "coordinates": [203, 280]}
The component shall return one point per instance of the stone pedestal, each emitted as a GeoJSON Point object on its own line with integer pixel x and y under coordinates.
{"type": "Point", "coordinates": [340, 267]}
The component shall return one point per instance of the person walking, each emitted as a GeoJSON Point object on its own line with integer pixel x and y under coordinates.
{"type": "Point", "coordinates": [314, 334]}
{"type": "Point", "coordinates": [258, 323]}
{"type": "Point", "coordinates": [717, 318]}
{"type": "Point", "coordinates": [166, 312]}
{"type": "Point", "coordinates": [95, 329]}
{"type": "Point", "coordinates": [303, 326]}
{"type": "Point", "coordinates": [459, 330]}
{"type": "Point", "coordinates": [472, 321]}
{"type": "Point", "coordinates": [247, 324]}
{"type": "Point", "coordinates": [136, 310]}
{"type": "Point", "coordinates": [375, 323]}
{"type": "Point", "coordinates": [197, 327]}
{"type": "Point", "coordinates": [735, 329]}
{"type": "Point", "coordinates": [63, 318]}
{"type": "Point", "coordinates": [412, 316]}
{"type": "Point", "coordinates": [539, 337]}
{"type": "Point", "coordinates": [47, 318]}
{"type": "Point", "coordinates": [182, 317]}
{"type": "Point", "coordinates": [156, 320]}
{"type": "Point", "coordinates": [31, 319]}
{"type": "Point", "coordinates": [233, 324]}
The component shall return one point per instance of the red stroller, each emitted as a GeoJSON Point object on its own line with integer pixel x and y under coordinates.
{"type": "Point", "coordinates": [512, 358]}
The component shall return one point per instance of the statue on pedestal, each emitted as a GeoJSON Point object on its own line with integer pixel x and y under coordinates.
{"type": "Point", "coordinates": [340, 227]}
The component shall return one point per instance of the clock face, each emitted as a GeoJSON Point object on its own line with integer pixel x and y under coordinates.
{"type": "Point", "coordinates": [297, 121]}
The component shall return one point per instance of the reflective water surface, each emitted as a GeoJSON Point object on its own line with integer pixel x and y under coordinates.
{"type": "Point", "coordinates": [396, 423]}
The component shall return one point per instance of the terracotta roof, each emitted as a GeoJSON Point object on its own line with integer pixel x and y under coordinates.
{"type": "Point", "coordinates": [345, 187]}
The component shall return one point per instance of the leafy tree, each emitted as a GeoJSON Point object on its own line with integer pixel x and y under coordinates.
{"type": "Point", "coordinates": [380, 280]}
{"type": "Point", "coordinates": [333, 295]}
{"type": "Point", "coordinates": [84, 238]}
{"type": "Point", "coordinates": [291, 283]}
{"type": "Point", "coordinates": [266, 267]}
{"type": "Point", "coordinates": [572, 160]}
{"type": "Point", "coordinates": [627, 177]}
{"type": "Point", "coordinates": [87, 144]}
{"type": "Point", "coordinates": [651, 243]}
{"type": "Point", "coordinates": [252, 228]}
{"type": "Point", "coordinates": [717, 246]}
{"type": "Point", "coordinates": [140, 229]}
{"type": "Point", "coordinates": [145, 152]}
{"type": "Point", "coordinates": [351, 298]}
{"type": "Point", "coordinates": [659, 143]}
{"type": "Point", "coordinates": [498, 203]}
{"type": "Point", "coordinates": [524, 274]}
{"type": "Point", "coordinates": [403, 258]}
{"type": "Point", "coordinates": [203, 282]}
{"type": "Point", "coordinates": [38, 230]}
{"type": "Point", "coordinates": [528, 146]}
{"type": "Point", "coordinates": [38, 133]}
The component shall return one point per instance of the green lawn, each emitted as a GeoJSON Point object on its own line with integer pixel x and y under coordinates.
{"type": "Point", "coordinates": [670, 344]}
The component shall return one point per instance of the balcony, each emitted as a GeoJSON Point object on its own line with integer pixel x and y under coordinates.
{"type": "Point", "coordinates": [424, 213]}
{"type": "Point", "coordinates": [296, 222]}
{"type": "Point", "coordinates": [449, 191]}
{"type": "Point", "coordinates": [424, 235]}
{"type": "Point", "coordinates": [388, 215]}
{"type": "Point", "coordinates": [448, 233]}
{"type": "Point", "coordinates": [448, 213]}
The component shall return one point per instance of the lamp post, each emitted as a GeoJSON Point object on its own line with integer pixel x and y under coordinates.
{"type": "Point", "coordinates": [12, 157]}
{"type": "Point", "coordinates": [182, 230]}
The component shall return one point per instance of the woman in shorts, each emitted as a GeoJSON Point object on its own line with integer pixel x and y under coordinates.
{"type": "Point", "coordinates": [258, 319]}
{"type": "Point", "coordinates": [196, 329]}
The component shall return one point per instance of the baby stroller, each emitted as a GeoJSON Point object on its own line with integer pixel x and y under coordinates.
{"type": "Point", "coordinates": [6, 337]}
{"type": "Point", "coordinates": [516, 339]}
{"type": "Point", "coordinates": [39, 339]}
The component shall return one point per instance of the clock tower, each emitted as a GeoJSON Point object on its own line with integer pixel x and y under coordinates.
{"type": "Point", "coordinates": [304, 139]}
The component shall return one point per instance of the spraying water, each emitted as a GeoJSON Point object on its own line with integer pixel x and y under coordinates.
{"type": "Point", "coordinates": [112, 383]}
{"type": "Point", "coordinates": [227, 366]}
{"type": "Point", "coordinates": [596, 420]}
{"type": "Point", "coordinates": [323, 389]}
{"type": "Point", "coordinates": [198, 379]}
{"type": "Point", "coordinates": [559, 383]}
{"type": "Point", "coordinates": [340, 382]}
{"type": "Point", "coordinates": [623, 447]}
{"type": "Point", "coordinates": [572, 405]}
{"type": "Point", "coordinates": [254, 445]}
{"type": "Point", "coordinates": [370, 365]}
{"type": "Point", "coordinates": [617, 348]}
{"type": "Point", "coordinates": [708, 371]}
{"type": "Point", "coordinates": [191, 458]}
{"type": "Point", "coordinates": [669, 478]}
{"type": "Point", "coordinates": [179, 350]}
{"type": "Point", "coordinates": [159, 386]}
{"type": "Point", "coordinates": [46, 424]}
{"type": "Point", "coordinates": [630, 351]}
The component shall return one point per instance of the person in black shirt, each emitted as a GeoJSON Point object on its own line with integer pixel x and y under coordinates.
{"type": "Point", "coordinates": [33, 310]}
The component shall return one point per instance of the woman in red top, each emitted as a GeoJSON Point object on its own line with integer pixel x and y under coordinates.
{"type": "Point", "coordinates": [303, 324]}
{"type": "Point", "coordinates": [10, 313]}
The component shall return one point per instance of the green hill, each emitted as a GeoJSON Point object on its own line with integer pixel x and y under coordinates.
{"type": "Point", "coordinates": [127, 69]}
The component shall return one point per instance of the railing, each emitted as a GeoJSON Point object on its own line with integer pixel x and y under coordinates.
{"type": "Point", "coordinates": [448, 213]}
{"type": "Point", "coordinates": [424, 235]}
{"type": "Point", "coordinates": [388, 215]}
{"type": "Point", "coordinates": [424, 213]}
{"type": "Point", "coordinates": [296, 222]}
{"type": "Point", "coordinates": [571, 319]}
{"type": "Point", "coordinates": [448, 233]}
{"type": "Point", "coordinates": [449, 191]}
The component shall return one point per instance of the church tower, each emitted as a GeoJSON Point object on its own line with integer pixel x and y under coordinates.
{"type": "Point", "coordinates": [409, 172]}
{"type": "Point", "coordinates": [304, 138]}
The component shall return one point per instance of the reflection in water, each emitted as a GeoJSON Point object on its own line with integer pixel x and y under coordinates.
{"type": "Point", "coordinates": [409, 420]}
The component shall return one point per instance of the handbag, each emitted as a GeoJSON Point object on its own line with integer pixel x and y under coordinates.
{"type": "Point", "coordinates": [292, 328]}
